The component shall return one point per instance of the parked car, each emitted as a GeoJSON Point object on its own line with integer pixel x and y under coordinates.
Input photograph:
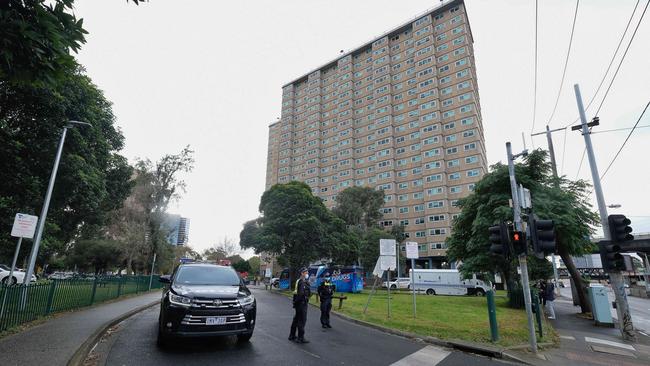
{"type": "Point", "coordinates": [204, 299]}
{"type": "Point", "coordinates": [17, 277]}
{"type": "Point", "coordinates": [61, 276]}
{"type": "Point", "coordinates": [400, 282]}
{"type": "Point", "coordinates": [448, 282]}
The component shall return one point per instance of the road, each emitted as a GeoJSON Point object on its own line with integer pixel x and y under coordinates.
{"type": "Point", "coordinates": [639, 309]}
{"type": "Point", "coordinates": [134, 343]}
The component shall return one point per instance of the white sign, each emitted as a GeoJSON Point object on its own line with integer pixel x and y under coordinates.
{"type": "Point", "coordinates": [24, 226]}
{"type": "Point", "coordinates": [267, 273]}
{"type": "Point", "coordinates": [387, 247]}
{"type": "Point", "coordinates": [378, 271]}
{"type": "Point", "coordinates": [387, 262]}
{"type": "Point", "coordinates": [412, 250]}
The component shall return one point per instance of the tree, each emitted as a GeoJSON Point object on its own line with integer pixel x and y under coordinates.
{"type": "Point", "coordinates": [359, 206]}
{"type": "Point", "coordinates": [565, 202]}
{"type": "Point", "coordinates": [254, 262]}
{"type": "Point", "coordinates": [36, 37]}
{"type": "Point", "coordinates": [222, 250]}
{"type": "Point", "coordinates": [241, 266]}
{"type": "Point", "coordinates": [295, 225]}
{"type": "Point", "coordinates": [93, 178]}
{"type": "Point", "coordinates": [98, 255]}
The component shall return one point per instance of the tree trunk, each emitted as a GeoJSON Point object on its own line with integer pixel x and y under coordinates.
{"type": "Point", "coordinates": [585, 305]}
{"type": "Point", "coordinates": [129, 267]}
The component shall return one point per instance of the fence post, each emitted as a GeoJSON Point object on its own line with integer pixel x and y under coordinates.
{"type": "Point", "coordinates": [50, 298]}
{"type": "Point", "coordinates": [92, 296]}
{"type": "Point", "coordinates": [119, 286]}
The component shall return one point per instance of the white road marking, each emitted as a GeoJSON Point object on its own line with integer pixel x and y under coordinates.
{"type": "Point", "coordinates": [568, 337]}
{"type": "Point", "coordinates": [429, 356]}
{"type": "Point", "coordinates": [609, 343]}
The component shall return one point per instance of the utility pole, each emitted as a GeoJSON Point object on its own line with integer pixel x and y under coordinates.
{"type": "Point", "coordinates": [522, 257]}
{"type": "Point", "coordinates": [551, 152]}
{"type": "Point", "coordinates": [622, 308]}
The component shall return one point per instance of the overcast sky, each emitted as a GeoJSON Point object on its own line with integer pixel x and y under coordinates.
{"type": "Point", "coordinates": [209, 74]}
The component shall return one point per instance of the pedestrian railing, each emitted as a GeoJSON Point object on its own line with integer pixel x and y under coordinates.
{"type": "Point", "coordinates": [20, 304]}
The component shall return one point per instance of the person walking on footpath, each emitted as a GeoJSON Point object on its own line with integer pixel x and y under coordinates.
{"type": "Point", "coordinates": [549, 297]}
{"type": "Point", "coordinates": [325, 292]}
{"type": "Point", "coordinates": [301, 296]}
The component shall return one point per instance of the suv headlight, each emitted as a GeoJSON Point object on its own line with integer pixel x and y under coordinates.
{"type": "Point", "coordinates": [179, 300]}
{"type": "Point", "coordinates": [246, 300]}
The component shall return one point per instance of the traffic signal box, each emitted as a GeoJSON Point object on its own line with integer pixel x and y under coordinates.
{"type": "Point", "coordinates": [611, 250]}
{"type": "Point", "coordinates": [518, 239]}
{"type": "Point", "coordinates": [542, 235]}
{"type": "Point", "coordinates": [499, 239]}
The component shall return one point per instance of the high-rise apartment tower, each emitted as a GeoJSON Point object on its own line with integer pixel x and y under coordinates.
{"type": "Point", "coordinates": [400, 113]}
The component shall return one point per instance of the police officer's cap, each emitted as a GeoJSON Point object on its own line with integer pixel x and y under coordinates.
{"type": "Point", "coordinates": [303, 270]}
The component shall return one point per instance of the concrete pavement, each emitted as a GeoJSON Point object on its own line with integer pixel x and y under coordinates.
{"type": "Point", "coordinates": [56, 340]}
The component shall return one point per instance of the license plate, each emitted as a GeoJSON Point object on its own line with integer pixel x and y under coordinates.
{"type": "Point", "coordinates": [215, 320]}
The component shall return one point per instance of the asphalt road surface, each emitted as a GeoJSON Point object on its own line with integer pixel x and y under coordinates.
{"type": "Point", "coordinates": [134, 343]}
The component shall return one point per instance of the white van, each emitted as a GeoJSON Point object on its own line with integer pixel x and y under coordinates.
{"type": "Point", "coordinates": [447, 282]}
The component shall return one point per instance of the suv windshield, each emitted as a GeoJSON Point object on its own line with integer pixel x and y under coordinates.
{"type": "Point", "coordinates": [205, 275]}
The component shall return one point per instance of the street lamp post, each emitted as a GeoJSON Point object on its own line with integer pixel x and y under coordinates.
{"type": "Point", "coordinates": [46, 204]}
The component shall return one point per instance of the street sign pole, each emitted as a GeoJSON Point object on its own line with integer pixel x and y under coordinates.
{"type": "Point", "coordinates": [388, 288]}
{"type": "Point", "coordinates": [13, 263]}
{"type": "Point", "coordinates": [522, 257]}
{"type": "Point", "coordinates": [413, 284]}
{"type": "Point", "coordinates": [622, 308]}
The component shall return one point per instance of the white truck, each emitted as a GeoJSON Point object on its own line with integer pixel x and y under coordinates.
{"type": "Point", "coordinates": [447, 282]}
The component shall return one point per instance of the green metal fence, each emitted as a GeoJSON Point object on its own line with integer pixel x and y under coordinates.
{"type": "Point", "coordinates": [24, 303]}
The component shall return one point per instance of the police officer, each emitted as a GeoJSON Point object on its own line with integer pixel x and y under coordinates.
{"type": "Point", "coordinates": [301, 296]}
{"type": "Point", "coordinates": [325, 292]}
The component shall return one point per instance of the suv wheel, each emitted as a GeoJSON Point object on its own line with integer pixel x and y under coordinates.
{"type": "Point", "coordinates": [392, 287]}
{"type": "Point", "coordinates": [431, 292]}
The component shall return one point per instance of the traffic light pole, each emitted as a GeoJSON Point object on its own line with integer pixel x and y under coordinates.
{"type": "Point", "coordinates": [622, 308]}
{"type": "Point", "coordinates": [522, 257]}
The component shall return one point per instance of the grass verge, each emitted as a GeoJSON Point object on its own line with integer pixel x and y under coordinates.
{"type": "Point", "coordinates": [444, 317]}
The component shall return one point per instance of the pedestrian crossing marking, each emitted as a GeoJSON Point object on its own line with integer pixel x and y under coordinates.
{"type": "Point", "coordinates": [609, 343]}
{"type": "Point", "coordinates": [429, 356]}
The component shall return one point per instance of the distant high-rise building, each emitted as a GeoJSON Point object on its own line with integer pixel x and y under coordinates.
{"type": "Point", "coordinates": [178, 229]}
{"type": "Point", "coordinates": [400, 113]}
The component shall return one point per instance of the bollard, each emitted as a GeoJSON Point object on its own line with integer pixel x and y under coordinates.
{"type": "Point", "coordinates": [538, 314]}
{"type": "Point", "coordinates": [492, 315]}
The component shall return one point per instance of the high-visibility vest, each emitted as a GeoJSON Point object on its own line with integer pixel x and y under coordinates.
{"type": "Point", "coordinates": [295, 289]}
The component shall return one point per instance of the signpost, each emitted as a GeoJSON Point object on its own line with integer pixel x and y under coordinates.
{"type": "Point", "coordinates": [412, 254]}
{"type": "Point", "coordinates": [267, 272]}
{"type": "Point", "coordinates": [387, 256]}
{"type": "Point", "coordinates": [24, 227]}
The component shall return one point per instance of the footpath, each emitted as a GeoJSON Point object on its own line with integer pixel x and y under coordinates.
{"type": "Point", "coordinates": [582, 343]}
{"type": "Point", "coordinates": [55, 341]}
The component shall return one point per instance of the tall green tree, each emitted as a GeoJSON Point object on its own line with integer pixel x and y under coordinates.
{"type": "Point", "coordinates": [93, 178]}
{"type": "Point", "coordinates": [37, 39]}
{"type": "Point", "coordinates": [564, 201]}
{"type": "Point", "coordinates": [294, 225]}
{"type": "Point", "coordinates": [360, 206]}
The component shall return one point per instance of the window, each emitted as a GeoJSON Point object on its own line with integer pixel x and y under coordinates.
{"type": "Point", "coordinates": [403, 210]}
{"type": "Point", "coordinates": [432, 165]}
{"type": "Point", "coordinates": [436, 232]}
{"type": "Point", "coordinates": [436, 204]}
{"type": "Point", "coordinates": [453, 163]}
{"type": "Point", "coordinates": [454, 176]}
{"type": "Point", "coordinates": [418, 208]}
{"type": "Point", "coordinates": [467, 121]}
{"type": "Point", "coordinates": [473, 173]}
{"type": "Point", "coordinates": [435, 191]}
{"type": "Point", "coordinates": [471, 159]}
{"type": "Point", "coordinates": [436, 218]}
{"type": "Point", "coordinates": [455, 189]}
{"type": "Point", "coordinates": [471, 146]}
{"type": "Point", "coordinates": [434, 178]}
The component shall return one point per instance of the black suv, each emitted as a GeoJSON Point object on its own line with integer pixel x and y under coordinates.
{"type": "Point", "coordinates": [205, 300]}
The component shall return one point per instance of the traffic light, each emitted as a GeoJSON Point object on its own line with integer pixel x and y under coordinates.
{"type": "Point", "coordinates": [518, 239]}
{"type": "Point", "coordinates": [610, 255]}
{"type": "Point", "coordinates": [542, 235]}
{"type": "Point", "coordinates": [499, 239]}
{"type": "Point", "coordinates": [619, 228]}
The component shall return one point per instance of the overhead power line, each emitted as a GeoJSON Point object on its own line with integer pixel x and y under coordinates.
{"type": "Point", "coordinates": [566, 63]}
{"type": "Point", "coordinates": [611, 62]}
{"type": "Point", "coordinates": [620, 129]}
{"type": "Point", "coordinates": [535, 87]}
{"type": "Point", "coordinates": [625, 142]}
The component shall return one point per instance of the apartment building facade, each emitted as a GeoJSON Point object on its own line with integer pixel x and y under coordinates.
{"type": "Point", "coordinates": [402, 114]}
